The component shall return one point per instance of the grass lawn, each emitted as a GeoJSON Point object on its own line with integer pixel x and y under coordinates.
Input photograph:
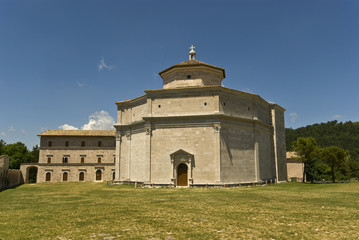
{"type": "Point", "coordinates": [98, 211]}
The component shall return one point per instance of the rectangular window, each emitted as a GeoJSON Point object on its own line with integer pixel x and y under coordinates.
{"type": "Point", "coordinates": [82, 143]}
{"type": "Point", "coordinates": [99, 158]}
{"type": "Point", "coordinates": [99, 144]}
{"type": "Point", "coordinates": [49, 144]}
{"type": "Point", "coordinates": [65, 159]}
{"type": "Point", "coordinates": [66, 143]}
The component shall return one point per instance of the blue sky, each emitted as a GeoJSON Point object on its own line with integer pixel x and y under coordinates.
{"type": "Point", "coordinates": [68, 62]}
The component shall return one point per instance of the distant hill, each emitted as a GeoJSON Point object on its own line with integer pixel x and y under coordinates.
{"type": "Point", "coordinates": [344, 135]}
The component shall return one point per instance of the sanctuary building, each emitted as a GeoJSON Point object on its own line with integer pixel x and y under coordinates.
{"type": "Point", "coordinates": [192, 132]}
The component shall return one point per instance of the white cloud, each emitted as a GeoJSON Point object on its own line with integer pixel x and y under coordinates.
{"type": "Point", "coordinates": [11, 129]}
{"type": "Point", "coordinates": [80, 84]}
{"type": "Point", "coordinates": [337, 116]}
{"type": "Point", "coordinates": [3, 134]}
{"type": "Point", "coordinates": [103, 65]}
{"type": "Point", "coordinates": [99, 121]}
{"type": "Point", "coordinates": [68, 127]}
{"type": "Point", "coordinates": [293, 116]}
{"type": "Point", "coordinates": [246, 90]}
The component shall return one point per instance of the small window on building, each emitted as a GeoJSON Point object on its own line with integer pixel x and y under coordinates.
{"type": "Point", "coordinates": [224, 104]}
{"type": "Point", "coordinates": [99, 144]}
{"type": "Point", "coordinates": [66, 143]}
{"type": "Point", "coordinates": [82, 176]}
{"type": "Point", "coordinates": [65, 176]}
{"type": "Point", "coordinates": [82, 143]}
{"type": "Point", "coordinates": [99, 159]}
{"type": "Point", "coordinates": [113, 176]}
{"type": "Point", "coordinates": [188, 76]}
{"type": "Point", "coordinates": [114, 158]}
{"type": "Point", "coordinates": [48, 177]}
{"type": "Point", "coordinates": [82, 159]}
{"type": "Point", "coordinates": [159, 106]}
{"type": "Point", "coordinates": [205, 104]}
{"type": "Point", "coordinates": [65, 160]}
{"type": "Point", "coordinates": [48, 159]}
{"type": "Point", "coordinates": [49, 144]}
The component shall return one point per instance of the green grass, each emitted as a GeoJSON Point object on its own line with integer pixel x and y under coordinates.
{"type": "Point", "coordinates": [98, 211]}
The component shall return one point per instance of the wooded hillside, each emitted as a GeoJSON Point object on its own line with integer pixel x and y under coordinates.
{"type": "Point", "coordinates": [344, 135]}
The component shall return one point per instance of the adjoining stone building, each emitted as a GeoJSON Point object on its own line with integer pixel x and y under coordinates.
{"type": "Point", "coordinates": [75, 155]}
{"type": "Point", "coordinates": [192, 132]}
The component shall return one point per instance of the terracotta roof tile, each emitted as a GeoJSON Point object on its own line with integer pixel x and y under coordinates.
{"type": "Point", "coordinates": [109, 133]}
{"type": "Point", "coordinates": [193, 63]}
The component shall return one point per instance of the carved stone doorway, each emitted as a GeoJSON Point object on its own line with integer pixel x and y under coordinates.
{"type": "Point", "coordinates": [182, 175]}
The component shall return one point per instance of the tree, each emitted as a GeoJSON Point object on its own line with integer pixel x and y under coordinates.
{"type": "Point", "coordinates": [306, 149]}
{"type": "Point", "coordinates": [2, 145]}
{"type": "Point", "coordinates": [18, 153]}
{"type": "Point", "coordinates": [335, 157]}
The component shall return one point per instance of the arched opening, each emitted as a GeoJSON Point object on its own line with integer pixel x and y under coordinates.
{"type": "Point", "coordinates": [99, 160]}
{"type": "Point", "coordinates": [65, 176]}
{"type": "Point", "coordinates": [82, 176]}
{"type": "Point", "coordinates": [98, 175]}
{"type": "Point", "coordinates": [32, 175]}
{"type": "Point", "coordinates": [182, 175]}
{"type": "Point", "coordinates": [48, 177]}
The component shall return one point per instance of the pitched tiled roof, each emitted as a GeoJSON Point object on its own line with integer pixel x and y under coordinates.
{"type": "Point", "coordinates": [78, 133]}
{"type": "Point", "coordinates": [193, 63]}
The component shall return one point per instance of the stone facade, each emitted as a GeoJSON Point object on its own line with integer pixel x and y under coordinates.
{"type": "Point", "coordinates": [75, 155]}
{"type": "Point", "coordinates": [216, 134]}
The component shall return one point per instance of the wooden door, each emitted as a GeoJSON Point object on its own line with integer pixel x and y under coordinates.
{"type": "Point", "coordinates": [98, 175]}
{"type": "Point", "coordinates": [182, 176]}
{"type": "Point", "coordinates": [48, 177]}
{"type": "Point", "coordinates": [82, 176]}
{"type": "Point", "coordinates": [64, 177]}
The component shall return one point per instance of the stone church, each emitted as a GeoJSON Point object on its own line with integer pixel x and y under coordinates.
{"type": "Point", "coordinates": [192, 132]}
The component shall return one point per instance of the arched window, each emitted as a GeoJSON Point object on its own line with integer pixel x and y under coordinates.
{"type": "Point", "coordinates": [48, 177]}
{"type": "Point", "coordinates": [65, 176]}
{"type": "Point", "coordinates": [66, 143]}
{"type": "Point", "coordinates": [99, 144]}
{"type": "Point", "coordinates": [48, 159]}
{"type": "Point", "coordinates": [82, 159]}
{"type": "Point", "coordinates": [82, 176]}
{"type": "Point", "coordinates": [98, 175]}
{"type": "Point", "coordinates": [99, 160]}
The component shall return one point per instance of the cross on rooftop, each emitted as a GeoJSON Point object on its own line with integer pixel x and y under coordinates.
{"type": "Point", "coordinates": [192, 53]}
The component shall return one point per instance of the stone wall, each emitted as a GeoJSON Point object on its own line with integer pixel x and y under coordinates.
{"type": "Point", "coordinates": [295, 167]}
{"type": "Point", "coordinates": [9, 177]}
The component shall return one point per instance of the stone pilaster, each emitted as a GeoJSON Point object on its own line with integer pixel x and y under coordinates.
{"type": "Point", "coordinates": [217, 151]}
{"type": "Point", "coordinates": [148, 135]}
{"type": "Point", "coordinates": [118, 157]}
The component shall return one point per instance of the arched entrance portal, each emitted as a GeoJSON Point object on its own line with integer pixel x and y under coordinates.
{"type": "Point", "coordinates": [31, 175]}
{"type": "Point", "coordinates": [182, 175]}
